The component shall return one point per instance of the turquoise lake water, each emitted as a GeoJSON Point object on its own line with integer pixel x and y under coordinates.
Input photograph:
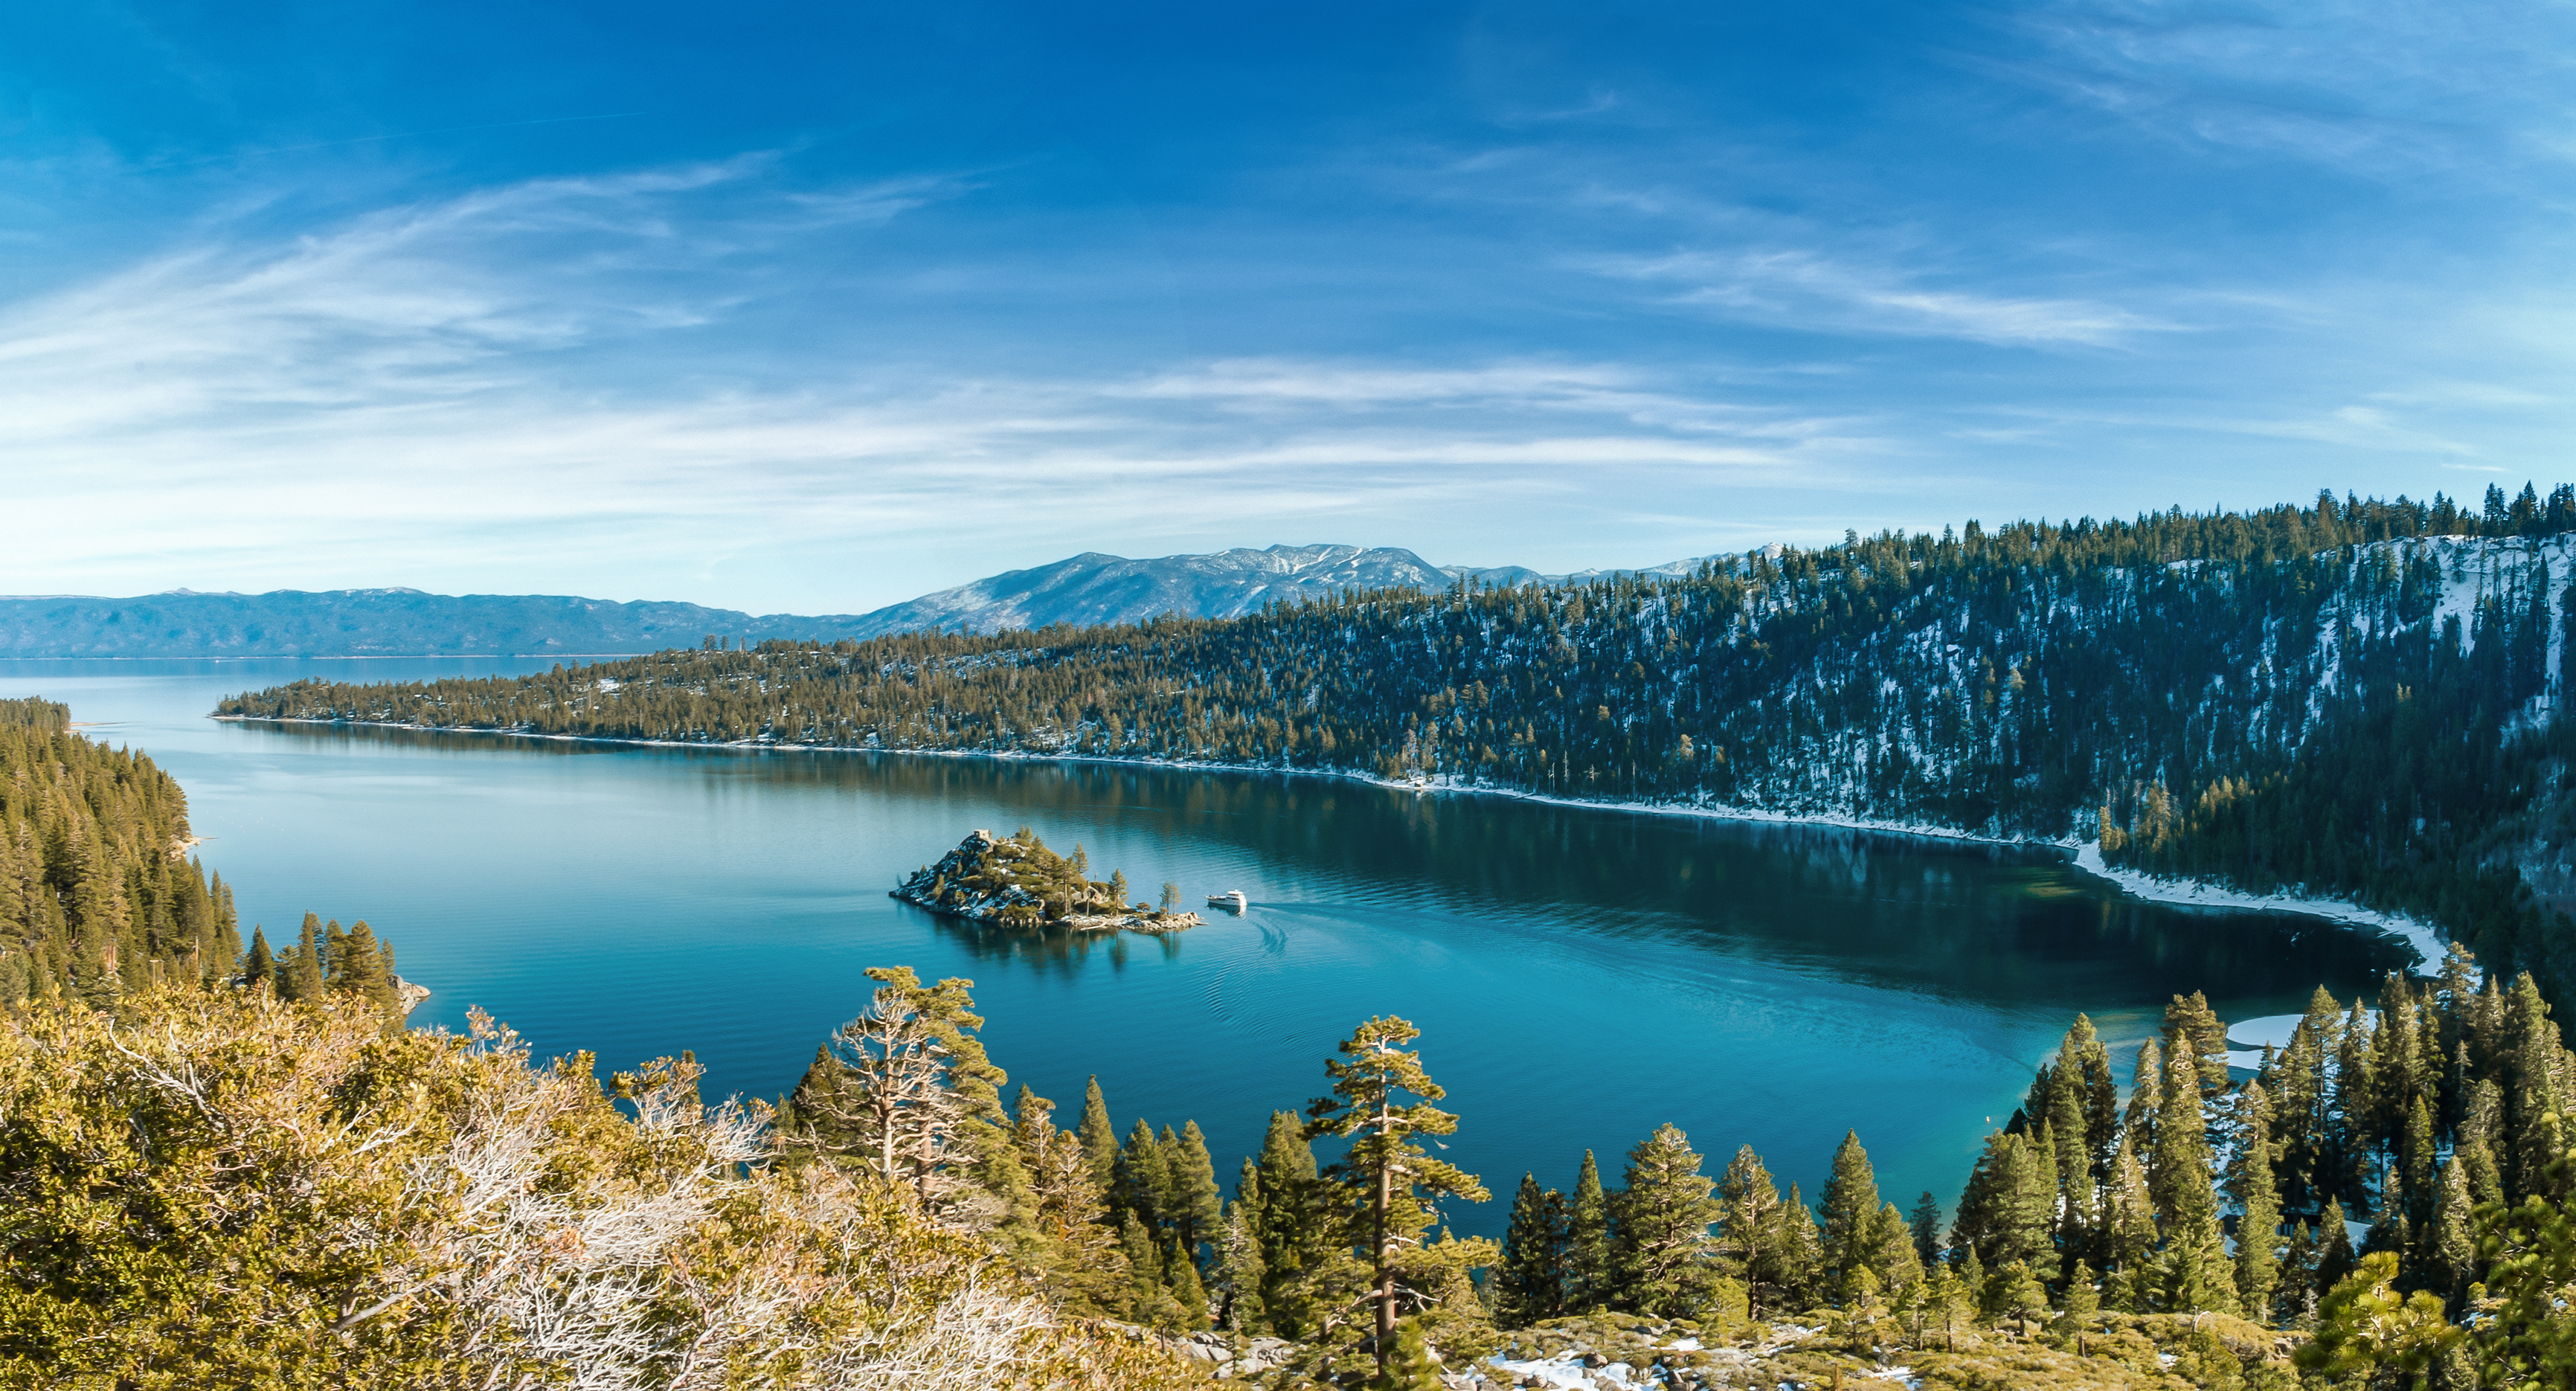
{"type": "Point", "coordinates": [1580, 975]}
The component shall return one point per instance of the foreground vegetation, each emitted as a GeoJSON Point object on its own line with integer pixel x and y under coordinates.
{"type": "Point", "coordinates": [2356, 697]}
{"type": "Point", "coordinates": [208, 1185]}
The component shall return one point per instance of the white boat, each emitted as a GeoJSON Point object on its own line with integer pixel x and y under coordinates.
{"type": "Point", "coordinates": [1234, 900]}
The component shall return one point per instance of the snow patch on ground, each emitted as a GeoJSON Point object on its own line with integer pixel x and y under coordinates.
{"type": "Point", "coordinates": [2250, 1035]}
{"type": "Point", "coordinates": [2413, 932]}
{"type": "Point", "coordinates": [1567, 1372]}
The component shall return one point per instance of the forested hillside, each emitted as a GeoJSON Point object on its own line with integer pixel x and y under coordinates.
{"type": "Point", "coordinates": [2358, 697]}
{"type": "Point", "coordinates": [97, 895]}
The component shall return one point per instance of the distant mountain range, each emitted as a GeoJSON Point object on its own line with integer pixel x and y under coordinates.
{"type": "Point", "coordinates": [1088, 588]}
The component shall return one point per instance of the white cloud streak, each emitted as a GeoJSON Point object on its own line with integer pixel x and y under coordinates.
{"type": "Point", "coordinates": [1806, 290]}
{"type": "Point", "coordinates": [420, 390]}
{"type": "Point", "coordinates": [2380, 88]}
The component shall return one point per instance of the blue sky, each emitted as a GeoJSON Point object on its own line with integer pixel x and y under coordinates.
{"type": "Point", "coordinates": [808, 309]}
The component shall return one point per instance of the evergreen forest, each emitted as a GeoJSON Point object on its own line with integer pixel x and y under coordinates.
{"type": "Point", "coordinates": [2356, 698]}
{"type": "Point", "coordinates": [237, 1174]}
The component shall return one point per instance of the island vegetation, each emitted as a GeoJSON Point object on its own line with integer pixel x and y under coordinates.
{"type": "Point", "coordinates": [2357, 698]}
{"type": "Point", "coordinates": [1016, 881]}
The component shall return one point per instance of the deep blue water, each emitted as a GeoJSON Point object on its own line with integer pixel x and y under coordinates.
{"type": "Point", "coordinates": [1580, 975]}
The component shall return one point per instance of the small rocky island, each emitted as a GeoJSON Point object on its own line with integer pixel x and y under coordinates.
{"type": "Point", "coordinates": [1016, 881]}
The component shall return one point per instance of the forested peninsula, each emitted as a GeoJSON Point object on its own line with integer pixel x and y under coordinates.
{"type": "Point", "coordinates": [2356, 698]}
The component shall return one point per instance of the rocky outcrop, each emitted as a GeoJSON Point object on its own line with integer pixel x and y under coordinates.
{"type": "Point", "coordinates": [409, 994]}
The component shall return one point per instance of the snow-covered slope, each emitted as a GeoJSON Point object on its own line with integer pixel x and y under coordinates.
{"type": "Point", "coordinates": [1094, 588]}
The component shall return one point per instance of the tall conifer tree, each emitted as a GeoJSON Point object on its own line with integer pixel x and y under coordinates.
{"type": "Point", "coordinates": [2257, 1249]}
{"type": "Point", "coordinates": [1530, 1284]}
{"type": "Point", "coordinates": [1099, 1135]}
{"type": "Point", "coordinates": [1751, 1213]}
{"type": "Point", "coordinates": [1589, 1278]}
{"type": "Point", "coordinates": [1664, 1257]}
{"type": "Point", "coordinates": [1851, 1210]}
{"type": "Point", "coordinates": [1392, 1181]}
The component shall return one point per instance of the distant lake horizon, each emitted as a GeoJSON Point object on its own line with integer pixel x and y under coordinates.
{"type": "Point", "coordinates": [1580, 973]}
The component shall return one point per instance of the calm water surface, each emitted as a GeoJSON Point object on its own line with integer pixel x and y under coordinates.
{"type": "Point", "coordinates": [1579, 975]}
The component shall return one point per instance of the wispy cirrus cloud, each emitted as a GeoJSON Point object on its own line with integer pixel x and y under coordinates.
{"type": "Point", "coordinates": [2383, 88]}
{"type": "Point", "coordinates": [450, 380]}
{"type": "Point", "coordinates": [1802, 289]}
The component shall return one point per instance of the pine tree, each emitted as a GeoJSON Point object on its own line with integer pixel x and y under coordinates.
{"type": "Point", "coordinates": [2080, 1306]}
{"type": "Point", "coordinates": [1750, 1236]}
{"type": "Point", "coordinates": [1195, 1207]}
{"type": "Point", "coordinates": [1188, 1292]}
{"type": "Point", "coordinates": [362, 969]}
{"type": "Point", "coordinates": [2008, 1211]}
{"type": "Point", "coordinates": [1663, 1257]}
{"type": "Point", "coordinates": [2257, 1255]}
{"type": "Point", "coordinates": [305, 980]}
{"type": "Point", "coordinates": [2297, 1291]}
{"type": "Point", "coordinates": [1391, 1180]}
{"type": "Point", "coordinates": [1851, 1210]}
{"type": "Point", "coordinates": [2014, 1292]}
{"type": "Point", "coordinates": [2452, 1254]}
{"type": "Point", "coordinates": [1530, 1284]}
{"type": "Point", "coordinates": [1003, 1173]}
{"type": "Point", "coordinates": [1925, 1224]}
{"type": "Point", "coordinates": [259, 971]}
{"type": "Point", "coordinates": [2197, 1275]}
{"type": "Point", "coordinates": [2335, 1257]}
{"type": "Point", "coordinates": [2146, 1103]}
{"type": "Point", "coordinates": [2192, 1027]}
{"type": "Point", "coordinates": [1892, 1256]}
{"type": "Point", "coordinates": [2083, 1055]}
{"type": "Point", "coordinates": [2355, 1139]}
{"type": "Point", "coordinates": [2180, 1175]}
{"type": "Point", "coordinates": [1589, 1271]}
{"type": "Point", "coordinates": [1143, 1180]}
{"type": "Point", "coordinates": [1147, 1300]}
{"type": "Point", "coordinates": [1099, 1135]}
{"type": "Point", "coordinates": [2129, 1219]}
{"type": "Point", "coordinates": [1239, 1270]}
{"type": "Point", "coordinates": [1078, 1247]}
{"type": "Point", "coordinates": [2075, 1166]}
{"type": "Point", "coordinates": [1293, 1225]}
{"type": "Point", "coordinates": [1802, 1251]}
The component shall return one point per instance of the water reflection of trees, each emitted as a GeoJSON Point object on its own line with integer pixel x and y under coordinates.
{"type": "Point", "coordinates": [1974, 920]}
{"type": "Point", "coordinates": [1050, 950]}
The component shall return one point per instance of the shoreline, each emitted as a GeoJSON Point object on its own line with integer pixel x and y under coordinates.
{"type": "Point", "coordinates": [2414, 933]}
{"type": "Point", "coordinates": [2084, 856]}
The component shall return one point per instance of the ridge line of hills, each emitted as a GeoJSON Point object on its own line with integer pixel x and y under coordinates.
{"type": "Point", "coordinates": [396, 621]}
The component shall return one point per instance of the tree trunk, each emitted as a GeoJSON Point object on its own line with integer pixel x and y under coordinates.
{"type": "Point", "coordinates": [1385, 1271]}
